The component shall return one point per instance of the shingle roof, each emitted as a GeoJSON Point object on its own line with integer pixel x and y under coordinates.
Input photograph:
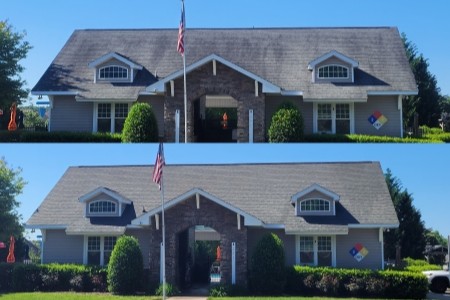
{"type": "Point", "coordinates": [280, 56]}
{"type": "Point", "coordinates": [261, 190]}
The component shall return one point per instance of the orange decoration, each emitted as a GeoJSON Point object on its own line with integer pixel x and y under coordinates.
{"type": "Point", "coordinates": [11, 259]}
{"type": "Point", "coordinates": [12, 123]}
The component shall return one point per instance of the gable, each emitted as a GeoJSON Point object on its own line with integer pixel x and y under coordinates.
{"type": "Point", "coordinates": [315, 200]}
{"type": "Point", "coordinates": [103, 202]}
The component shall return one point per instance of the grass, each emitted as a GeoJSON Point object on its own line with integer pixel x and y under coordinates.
{"type": "Point", "coordinates": [71, 296]}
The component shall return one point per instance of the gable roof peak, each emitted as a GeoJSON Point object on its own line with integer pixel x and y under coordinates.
{"type": "Point", "coordinates": [336, 54]}
{"type": "Point", "coordinates": [119, 57]}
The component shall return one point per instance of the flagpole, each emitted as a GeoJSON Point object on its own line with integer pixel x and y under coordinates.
{"type": "Point", "coordinates": [163, 256]}
{"type": "Point", "coordinates": [184, 74]}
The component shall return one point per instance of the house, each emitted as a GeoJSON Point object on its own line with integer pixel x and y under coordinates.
{"type": "Point", "coordinates": [327, 214]}
{"type": "Point", "coordinates": [344, 80]}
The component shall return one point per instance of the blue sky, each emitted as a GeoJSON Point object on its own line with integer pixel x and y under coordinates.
{"type": "Point", "coordinates": [49, 23]}
{"type": "Point", "coordinates": [422, 169]}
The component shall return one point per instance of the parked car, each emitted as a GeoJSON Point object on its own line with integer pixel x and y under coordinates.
{"type": "Point", "coordinates": [439, 281]}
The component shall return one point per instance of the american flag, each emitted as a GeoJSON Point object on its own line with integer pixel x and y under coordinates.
{"type": "Point", "coordinates": [159, 163]}
{"type": "Point", "coordinates": [180, 47]}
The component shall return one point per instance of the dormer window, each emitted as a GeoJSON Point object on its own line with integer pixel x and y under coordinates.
{"type": "Point", "coordinates": [113, 72]}
{"type": "Point", "coordinates": [315, 205]}
{"type": "Point", "coordinates": [315, 200]}
{"type": "Point", "coordinates": [333, 72]}
{"type": "Point", "coordinates": [102, 207]}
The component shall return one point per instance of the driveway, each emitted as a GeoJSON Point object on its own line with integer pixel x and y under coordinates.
{"type": "Point", "coordinates": [445, 296]}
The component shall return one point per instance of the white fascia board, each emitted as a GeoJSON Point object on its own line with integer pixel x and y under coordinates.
{"type": "Point", "coordinates": [249, 220]}
{"type": "Point", "coordinates": [54, 93]}
{"type": "Point", "coordinates": [334, 100]}
{"type": "Point", "coordinates": [314, 233]}
{"type": "Point", "coordinates": [45, 226]}
{"type": "Point", "coordinates": [273, 226]}
{"type": "Point", "coordinates": [291, 93]}
{"type": "Point", "coordinates": [267, 87]}
{"type": "Point", "coordinates": [332, 53]}
{"type": "Point", "coordinates": [103, 190]}
{"type": "Point", "coordinates": [92, 233]}
{"type": "Point", "coordinates": [392, 93]}
{"type": "Point", "coordinates": [371, 226]}
{"type": "Point", "coordinates": [114, 55]}
{"type": "Point", "coordinates": [318, 188]}
{"type": "Point", "coordinates": [126, 100]}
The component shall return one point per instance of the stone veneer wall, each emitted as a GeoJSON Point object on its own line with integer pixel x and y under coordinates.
{"type": "Point", "coordinates": [226, 82]}
{"type": "Point", "coordinates": [185, 215]}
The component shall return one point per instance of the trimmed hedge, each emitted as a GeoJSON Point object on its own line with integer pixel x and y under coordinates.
{"type": "Point", "coordinates": [355, 283]}
{"type": "Point", "coordinates": [52, 277]}
{"type": "Point", "coordinates": [58, 137]}
{"type": "Point", "coordinates": [360, 138]}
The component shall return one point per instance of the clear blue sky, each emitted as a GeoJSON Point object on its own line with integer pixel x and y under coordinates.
{"type": "Point", "coordinates": [49, 23]}
{"type": "Point", "coordinates": [422, 169]}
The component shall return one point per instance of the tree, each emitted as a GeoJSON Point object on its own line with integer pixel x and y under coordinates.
{"type": "Point", "coordinates": [427, 103]}
{"type": "Point", "coordinates": [11, 185]}
{"type": "Point", "coordinates": [268, 270]}
{"type": "Point", "coordinates": [13, 49]}
{"type": "Point", "coordinates": [125, 268]}
{"type": "Point", "coordinates": [140, 125]}
{"type": "Point", "coordinates": [286, 124]}
{"type": "Point", "coordinates": [410, 236]}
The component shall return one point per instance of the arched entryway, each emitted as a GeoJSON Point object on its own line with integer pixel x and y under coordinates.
{"type": "Point", "coordinates": [198, 263]}
{"type": "Point", "coordinates": [215, 119]}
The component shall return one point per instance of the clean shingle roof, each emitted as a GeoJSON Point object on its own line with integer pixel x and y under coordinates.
{"type": "Point", "coordinates": [278, 55]}
{"type": "Point", "coordinates": [260, 190]}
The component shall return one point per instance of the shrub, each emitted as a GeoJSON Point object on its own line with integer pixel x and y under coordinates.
{"type": "Point", "coordinates": [26, 278]}
{"type": "Point", "coordinates": [286, 125]}
{"type": "Point", "coordinates": [6, 271]}
{"type": "Point", "coordinates": [267, 271]}
{"type": "Point", "coordinates": [20, 136]}
{"type": "Point", "coordinates": [125, 268]}
{"type": "Point", "coordinates": [171, 290]}
{"type": "Point", "coordinates": [140, 125]}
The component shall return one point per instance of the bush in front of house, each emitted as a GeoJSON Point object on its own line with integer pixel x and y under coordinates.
{"type": "Point", "coordinates": [20, 136]}
{"type": "Point", "coordinates": [170, 291]}
{"type": "Point", "coordinates": [317, 281]}
{"type": "Point", "coordinates": [140, 125]}
{"type": "Point", "coordinates": [125, 267]}
{"type": "Point", "coordinates": [267, 267]}
{"type": "Point", "coordinates": [286, 125]}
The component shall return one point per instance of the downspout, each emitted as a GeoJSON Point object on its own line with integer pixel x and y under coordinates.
{"type": "Point", "coordinates": [400, 108]}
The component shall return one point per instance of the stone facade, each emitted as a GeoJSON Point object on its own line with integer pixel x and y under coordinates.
{"type": "Point", "coordinates": [227, 81]}
{"type": "Point", "coordinates": [185, 215]}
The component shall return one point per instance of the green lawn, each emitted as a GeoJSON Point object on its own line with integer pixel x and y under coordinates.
{"type": "Point", "coordinates": [71, 296]}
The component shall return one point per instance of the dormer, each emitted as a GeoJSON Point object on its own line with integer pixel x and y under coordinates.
{"type": "Point", "coordinates": [103, 202]}
{"type": "Point", "coordinates": [315, 201]}
{"type": "Point", "coordinates": [114, 67]}
{"type": "Point", "coordinates": [333, 67]}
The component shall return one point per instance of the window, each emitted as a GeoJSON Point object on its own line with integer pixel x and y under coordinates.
{"type": "Point", "coordinates": [111, 117]}
{"type": "Point", "coordinates": [314, 205]}
{"type": "Point", "coordinates": [334, 118]}
{"type": "Point", "coordinates": [93, 250]}
{"type": "Point", "coordinates": [333, 72]}
{"type": "Point", "coordinates": [316, 251]}
{"type": "Point", "coordinates": [99, 249]}
{"type": "Point", "coordinates": [306, 250]}
{"type": "Point", "coordinates": [102, 207]}
{"type": "Point", "coordinates": [113, 72]}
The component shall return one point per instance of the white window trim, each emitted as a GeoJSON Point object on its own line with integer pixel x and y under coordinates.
{"type": "Point", "coordinates": [112, 78]}
{"type": "Point", "coordinates": [333, 116]}
{"type": "Point", "coordinates": [102, 248]}
{"type": "Point", "coordinates": [112, 213]}
{"type": "Point", "coordinates": [314, 211]}
{"type": "Point", "coordinates": [333, 65]}
{"type": "Point", "coordinates": [113, 115]}
{"type": "Point", "coordinates": [315, 247]}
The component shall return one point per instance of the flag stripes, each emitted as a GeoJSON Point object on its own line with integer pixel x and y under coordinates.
{"type": "Point", "coordinates": [180, 46]}
{"type": "Point", "coordinates": [159, 163]}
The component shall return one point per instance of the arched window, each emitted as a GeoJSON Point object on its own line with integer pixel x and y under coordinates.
{"type": "Point", "coordinates": [113, 72]}
{"type": "Point", "coordinates": [314, 205]}
{"type": "Point", "coordinates": [333, 72]}
{"type": "Point", "coordinates": [102, 207]}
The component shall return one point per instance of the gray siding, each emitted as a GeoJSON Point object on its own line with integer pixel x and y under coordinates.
{"type": "Point", "coordinates": [255, 234]}
{"type": "Point", "coordinates": [369, 239]}
{"type": "Point", "coordinates": [157, 103]}
{"type": "Point", "coordinates": [143, 236]}
{"type": "Point", "coordinates": [69, 115]}
{"type": "Point", "coordinates": [62, 248]}
{"type": "Point", "coordinates": [273, 102]}
{"type": "Point", "coordinates": [386, 105]}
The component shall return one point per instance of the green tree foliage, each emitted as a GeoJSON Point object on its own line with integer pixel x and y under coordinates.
{"type": "Point", "coordinates": [268, 270]}
{"type": "Point", "coordinates": [11, 185]}
{"type": "Point", "coordinates": [286, 125]}
{"type": "Point", "coordinates": [32, 117]}
{"type": "Point", "coordinates": [140, 125]}
{"type": "Point", "coordinates": [410, 236]}
{"type": "Point", "coordinates": [13, 48]}
{"type": "Point", "coordinates": [427, 103]}
{"type": "Point", "coordinates": [125, 268]}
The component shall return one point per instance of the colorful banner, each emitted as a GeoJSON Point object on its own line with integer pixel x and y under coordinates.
{"type": "Point", "coordinates": [359, 252]}
{"type": "Point", "coordinates": [377, 119]}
